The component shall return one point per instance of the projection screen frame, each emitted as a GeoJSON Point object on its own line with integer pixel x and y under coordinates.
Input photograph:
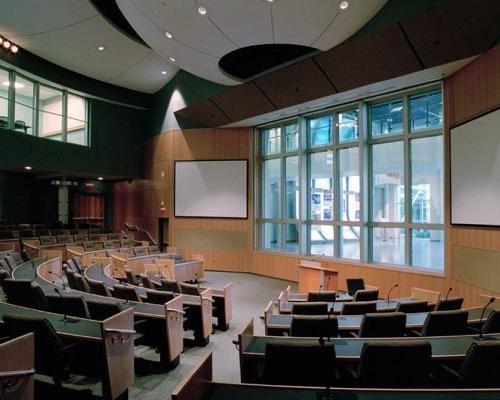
{"type": "Point", "coordinates": [450, 173]}
{"type": "Point", "coordinates": [215, 160]}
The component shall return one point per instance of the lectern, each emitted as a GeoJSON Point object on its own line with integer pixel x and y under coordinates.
{"type": "Point", "coordinates": [313, 277]}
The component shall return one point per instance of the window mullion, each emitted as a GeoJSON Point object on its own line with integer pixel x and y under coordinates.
{"type": "Point", "coordinates": [407, 181]}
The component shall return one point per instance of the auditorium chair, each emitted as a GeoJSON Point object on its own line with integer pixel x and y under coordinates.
{"type": "Point", "coordinates": [101, 310]}
{"type": "Point", "coordinates": [310, 308]}
{"type": "Point", "coordinates": [92, 246]}
{"type": "Point", "coordinates": [112, 244]}
{"type": "Point", "coordinates": [42, 232]}
{"type": "Point", "coordinates": [395, 364]}
{"type": "Point", "coordinates": [354, 284]}
{"type": "Point", "coordinates": [70, 277]}
{"type": "Point", "coordinates": [4, 273]}
{"type": "Point", "coordinates": [299, 364]}
{"type": "Point", "coordinates": [479, 368]}
{"type": "Point", "coordinates": [17, 257]}
{"type": "Point", "coordinates": [126, 293]}
{"type": "Point", "coordinates": [125, 242]}
{"type": "Point", "coordinates": [444, 323]}
{"type": "Point", "coordinates": [78, 263]}
{"type": "Point", "coordinates": [127, 250]}
{"type": "Point", "coordinates": [154, 250]}
{"type": "Point", "coordinates": [82, 283]}
{"type": "Point", "coordinates": [4, 235]}
{"type": "Point", "coordinates": [148, 283]}
{"type": "Point", "coordinates": [98, 287]}
{"type": "Point", "coordinates": [5, 266]}
{"type": "Point", "coordinates": [75, 306]}
{"type": "Point", "coordinates": [492, 324]}
{"type": "Point", "coordinates": [51, 355]}
{"type": "Point", "coordinates": [158, 296]}
{"type": "Point", "coordinates": [413, 307]}
{"type": "Point", "coordinates": [94, 236]}
{"type": "Point", "coordinates": [25, 293]}
{"type": "Point", "coordinates": [11, 261]}
{"type": "Point", "coordinates": [454, 303]}
{"type": "Point", "coordinates": [131, 278]}
{"type": "Point", "coordinates": [359, 308]}
{"type": "Point", "coordinates": [81, 237]}
{"type": "Point", "coordinates": [366, 295]}
{"type": "Point", "coordinates": [26, 234]}
{"type": "Point", "coordinates": [170, 285]}
{"type": "Point", "coordinates": [382, 325]}
{"type": "Point", "coordinates": [114, 237]}
{"type": "Point", "coordinates": [328, 297]}
{"type": "Point", "coordinates": [64, 239]}
{"type": "Point", "coordinates": [47, 240]}
{"type": "Point", "coordinates": [58, 232]}
{"type": "Point", "coordinates": [192, 290]}
{"type": "Point", "coordinates": [314, 326]}
{"type": "Point", "coordinates": [140, 250]}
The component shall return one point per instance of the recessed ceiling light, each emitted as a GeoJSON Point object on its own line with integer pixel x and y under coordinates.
{"type": "Point", "coordinates": [101, 47]}
{"type": "Point", "coordinates": [343, 5]}
{"type": "Point", "coordinates": [28, 168]}
{"type": "Point", "coordinates": [168, 35]}
{"type": "Point", "coordinates": [164, 72]}
{"type": "Point", "coordinates": [172, 59]}
{"type": "Point", "coordinates": [202, 10]}
{"type": "Point", "coordinates": [17, 85]}
{"type": "Point", "coordinates": [6, 44]}
{"type": "Point", "coordinates": [270, 1]}
{"type": "Point", "coordinates": [100, 178]}
{"type": "Point", "coordinates": [14, 49]}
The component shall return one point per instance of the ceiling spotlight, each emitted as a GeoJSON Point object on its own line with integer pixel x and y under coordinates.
{"type": "Point", "coordinates": [164, 72]}
{"type": "Point", "coordinates": [100, 178]}
{"type": "Point", "coordinates": [1, 40]}
{"type": "Point", "coordinates": [168, 35]}
{"type": "Point", "coordinates": [101, 48]}
{"type": "Point", "coordinates": [14, 49]}
{"type": "Point", "coordinates": [172, 59]}
{"type": "Point", "coordinates": [6, 44]}
{"type": "Point", "coordinates": [344, 4]}
{"type": "Point", "coordinates": [28, 168]}
{"type": "Point", "coordinates": [202, 10]}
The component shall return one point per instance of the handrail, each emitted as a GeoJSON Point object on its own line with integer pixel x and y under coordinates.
{"type": "Point", "coordinates": [135, 228]}
{"type": "Point", "coordinates": [17, 374]}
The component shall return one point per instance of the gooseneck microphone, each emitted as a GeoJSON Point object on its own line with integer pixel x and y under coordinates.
{"type": "Point", "coordinates": [320, 287]}
{"type": "Point", "coordinates": [448, 293]}
{"type": "Point", "coordinates": [60, 278]}
{"type": "Point", "coordinates": [196, 280]}
{"type": "Point", "coordinates": [390, 291]}
{"type": "Point", "coordinates": [65, 317]}
{"type": "Point", "coordinates": [481, 325]}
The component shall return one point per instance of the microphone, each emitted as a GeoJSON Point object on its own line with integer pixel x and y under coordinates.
{"type": "Point", "coordinates": [196, 279]}
{"type": "Point", "coordinates": [60, 278]}
{"type": "Point", "coordinates": [481, 319]}
{"type": "Point", "coordinates": [65, 317]}
{"type": "Point", "coordinates": [389, 294]}
{"type": "Point", "coordinates": [448, 293]}
{"type": "Point", "coordinates": [320, 287]}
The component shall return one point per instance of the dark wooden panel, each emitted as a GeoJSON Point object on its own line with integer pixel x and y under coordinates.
{"type": "Point", "coordinates": [295, 84]}
{"type": "Point", "coordinates": [381, 55]}
{"type": "Point", "coordinates": [204, 112]}
{"type": "Point", "coordinates": [243, 101]}
{"type": "Point", "coordinates": [454, 30]}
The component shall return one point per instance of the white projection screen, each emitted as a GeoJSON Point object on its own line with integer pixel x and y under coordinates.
{"type": "Point", "coordinates": [475, 171]}
{"type": "Point", "coordinates": [211, 189]}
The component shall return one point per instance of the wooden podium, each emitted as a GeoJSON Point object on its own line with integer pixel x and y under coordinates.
{"type": "Point", "coordinates": [312, 277]}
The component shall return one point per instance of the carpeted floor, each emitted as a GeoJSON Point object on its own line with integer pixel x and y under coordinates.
{"type": "Point", "coordinates": [251, 294]}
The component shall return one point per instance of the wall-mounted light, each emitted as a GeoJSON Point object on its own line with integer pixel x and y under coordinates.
{"type": "Point", "coordinates": [8, 45]}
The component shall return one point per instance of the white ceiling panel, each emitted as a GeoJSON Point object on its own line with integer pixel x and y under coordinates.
{"type": "Point", "coordinates": [67, 33]}
{"type": "Point", "coordinates": [199, 41]}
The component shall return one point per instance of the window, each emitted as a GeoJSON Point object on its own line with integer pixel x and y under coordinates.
{"type": "Point", "coordinates": [320, 130]}
{"type": "Point", "coordinates": [4, 98]}
{"type": "Point", "coordinates": [426, 111]}
{"type": "Point", "coordinates": [41, 110]}
{"type": "Point", "coordinates": [363, 182]}
{"type": "Point", "coordinates": [24, 105]}
{"type": "Point", "coordinates": [76, 117]}
{"type": "Point", "coordinates": [387, 118]}
{"type": "Point", "coordinates": [280, 206]}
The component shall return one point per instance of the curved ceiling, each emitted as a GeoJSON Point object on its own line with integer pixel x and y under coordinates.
{"type": "Point", "coordinates": [67, 33]}
{"type": "Point", "coordinates": [199, 41]}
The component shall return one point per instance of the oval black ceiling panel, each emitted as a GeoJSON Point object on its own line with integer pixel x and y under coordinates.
{"type": "Point", "coordinates": [111, 12]}
{"type": "Point", "coordinates": [246, 62]}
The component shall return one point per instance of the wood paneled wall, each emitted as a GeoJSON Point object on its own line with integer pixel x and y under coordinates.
{"type": "Point", "coordinates": [139, 202]}
{"type": "Point", "coordinates": [469, 92]}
